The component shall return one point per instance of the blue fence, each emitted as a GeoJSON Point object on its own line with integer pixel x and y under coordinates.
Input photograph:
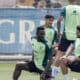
{"type": "Point", "coordinates": [17, 26]}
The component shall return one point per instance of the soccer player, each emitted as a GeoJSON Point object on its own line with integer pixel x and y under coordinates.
{"type": "Point", "coordinates": [73, 62]}
{"type": "Point", "coordinates": [71, 15]}
{"type": "Point", "coordinates": [40, 57]}
{"type": "Point", "coordinates": [51, 34]}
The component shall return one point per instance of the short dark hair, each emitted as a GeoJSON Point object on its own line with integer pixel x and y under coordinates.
{"type": "Point", "coordinates": [78, 27]}
{"type": "Point", "coordinates": [39, 28]}
{"type": "Point", "coordinates": [49, 16]}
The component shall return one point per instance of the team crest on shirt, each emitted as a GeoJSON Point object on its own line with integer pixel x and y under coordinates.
{"type": "Point", "coordinates": [75, 12]}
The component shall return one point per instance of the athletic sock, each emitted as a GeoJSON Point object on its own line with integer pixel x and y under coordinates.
{"type": "Point", "coordinates": [66, 77]}
{"type": "Point", "coordinates": [55, 71]}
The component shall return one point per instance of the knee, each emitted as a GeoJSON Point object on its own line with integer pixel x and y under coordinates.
{"type": "Point", "coordinates": [57, 60]}
{"type": "Point", "coordinates": [58, 57]}
{"type": "Point", "coordinates": [19, 65]}
{"type": "Point", "coordinates": [62, 63]}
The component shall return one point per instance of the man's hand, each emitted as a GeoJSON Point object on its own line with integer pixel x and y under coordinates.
{"type": "Point", "coordinates": [55, 45]}
{"type": "Point", "coordinates": [59, 35]}
{"type": "Point", "coordinates": [63, 59]}
{"type": "Point", "coordinates": [42, 76]}
{"type": "Point", "coordinates": [69, 59]}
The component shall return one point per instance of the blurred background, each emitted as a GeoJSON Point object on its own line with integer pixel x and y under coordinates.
{"type": "Point", "coordinates": [34, 3]}
{"type": "Point", "coordinates": [26, 13]}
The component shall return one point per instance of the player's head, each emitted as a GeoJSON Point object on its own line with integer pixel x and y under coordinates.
{"type": "Point", "coordinates": [49, 20]}
{"type": "Point", "coordinates": [78, 31]}
{"type": "Point", "coordinates": [40, 33]}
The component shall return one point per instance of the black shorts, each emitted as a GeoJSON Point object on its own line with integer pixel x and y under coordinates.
{"type": "Point", "coordinates": [32, 68]}
{"type": "Point", "coordinates": [64, 44]}
{"type": "Point", "coordinates": [75, 66]}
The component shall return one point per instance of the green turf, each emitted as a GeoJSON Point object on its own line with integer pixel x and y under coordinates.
{"type": "Point", "coordinates": [6, 72]}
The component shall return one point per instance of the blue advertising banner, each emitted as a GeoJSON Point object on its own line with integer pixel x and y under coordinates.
{"type": "Point", "coordinates": [17, 26]}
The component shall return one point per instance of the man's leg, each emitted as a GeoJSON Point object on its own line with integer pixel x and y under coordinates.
{"type": "Point", "coordinates": [56, 67]}
{"type": "Point", "coordinates": [19, 67]}
{"type": "Point", "coordinates": [65, 64]}
{"type": "Point", "coordinates": [63, 46]}
{"type": "Point", "coordinates": [57, 58]}
{"type": "Point", "coordinates": [61, 49]}
{"type": "Point", "coordinates": [64, 70]}
{"type": "Point", "coordinates": [73, 64]}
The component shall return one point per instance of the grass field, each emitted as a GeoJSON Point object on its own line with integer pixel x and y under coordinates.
{"type": "Point", "coordinates": [6, 72]}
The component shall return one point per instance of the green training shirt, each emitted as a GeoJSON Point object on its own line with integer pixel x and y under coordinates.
{"type": "Point", "coordinates": [77, 47]}
{"type": "Point", "coordinates": [50, 35]}
{"type": "Point", "coordinates": [40, 50]}
{"type": "Point", "coordinates": [71, 14]}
